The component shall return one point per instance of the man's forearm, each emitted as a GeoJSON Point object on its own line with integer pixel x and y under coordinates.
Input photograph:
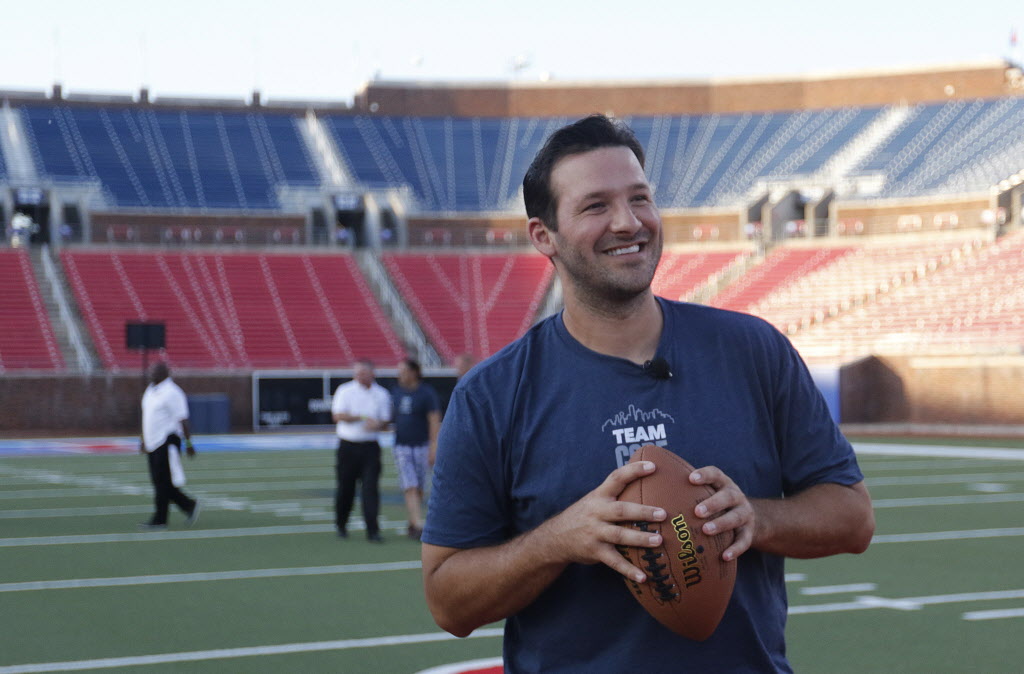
{"type": "Point", "coordinates": [826, 519]}
{"type": "Point", "coordinates": [473, 587]}
{"type": "Point", "coordinates": [469, 588]}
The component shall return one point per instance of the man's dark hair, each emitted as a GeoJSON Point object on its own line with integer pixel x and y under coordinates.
{"type": "Point", "coordinates": [414, 366]}
{"type": "Point", "coordinates": [582, 136]}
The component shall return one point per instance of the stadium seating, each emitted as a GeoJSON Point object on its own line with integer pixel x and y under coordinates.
{"type": "Point", "coordinates": [26, 341]}
{"type": "Point", "coordinates": [474, 164]}
{"type": "Point", "coordinates": [783, 265]}
{"type": "Point", "coordinates": [971, 301]}
{"type": "Point", "coordinates": [949, 148]}
{"type": "Point", "coordinates": [260, 310]}
{"type": "Point", "coordinates": [709, 160]}
{"type": "Point", "coordinates": [469, 164]}
{"type": "Point", "coordinates": [232, 310]}
{"type": "Point", "coordinates": [847, 281]}
{"type": "Point", "coordinates": [166, 158]}
{"type": "Point", "coordinates": [147, 158]}
{"type": "Point", "coordinates": [682, 273]}
{"type": "Point", "coordinates": [471, 303]}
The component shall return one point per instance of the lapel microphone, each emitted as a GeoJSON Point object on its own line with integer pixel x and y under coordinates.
{"type": "Point", "coordinates": [658, 368]}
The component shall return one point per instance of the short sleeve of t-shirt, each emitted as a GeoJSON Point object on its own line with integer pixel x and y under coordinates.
{"type": "Point", "coordinates": [383, 399]}
{"type": "Point", "coordinates": [814, 450]}
{"type": "Point", "coordinates": [177, 403]}
{"type": "Point", "coordinates": [468, 501]}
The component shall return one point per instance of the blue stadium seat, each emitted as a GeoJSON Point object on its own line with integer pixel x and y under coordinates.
{"type": "Point", "coordinates": [148, 158]}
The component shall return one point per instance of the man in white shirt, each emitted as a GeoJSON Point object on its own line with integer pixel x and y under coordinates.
{"type": "Point", "coordinates": [164, 424]}
{"type": "Point", "coordinates": [361, 408]}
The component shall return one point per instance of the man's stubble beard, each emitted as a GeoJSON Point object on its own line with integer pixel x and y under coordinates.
{"type": "Point", "coordinates": [612, 294]}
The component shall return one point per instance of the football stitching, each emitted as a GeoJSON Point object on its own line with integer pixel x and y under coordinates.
{"type": "Point", "coordinates": [666, 591]}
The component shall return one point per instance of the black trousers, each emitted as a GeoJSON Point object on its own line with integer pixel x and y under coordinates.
{"type": "Point", "coordinates": [164, 489]}
{"type": "Point", "coordinates": [358, 461]}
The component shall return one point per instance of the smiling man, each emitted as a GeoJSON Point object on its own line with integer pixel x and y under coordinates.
{"type": "Point", "coordinates": [523, 518]}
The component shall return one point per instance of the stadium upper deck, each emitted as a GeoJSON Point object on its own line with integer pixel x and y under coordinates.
{"type": "Point", "coordinates": [407, 153]}
{"type": "Point", "coordinates": [947, 156]}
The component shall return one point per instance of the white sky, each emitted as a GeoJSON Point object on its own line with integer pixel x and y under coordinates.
{"type": "Point", "coordinates": [325, 49]}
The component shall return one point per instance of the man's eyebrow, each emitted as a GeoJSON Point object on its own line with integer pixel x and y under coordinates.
{"type": "Point", "coordinates": [597, 194]}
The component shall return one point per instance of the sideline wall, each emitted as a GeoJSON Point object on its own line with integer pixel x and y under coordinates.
{"type": "Point", "coordinates": [103, 404]}
{"type": "Point", "coordinates": [937, 390]}
{"type": "Point", "coordinates": [934, 390]}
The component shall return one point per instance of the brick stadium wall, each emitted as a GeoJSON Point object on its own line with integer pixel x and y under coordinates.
{"type": "Point", "coordinates": [934, 390]}
{"type": "Point", "coordinates": [103, 404]}
{"type": "Point", "coordinates": [553, 99]}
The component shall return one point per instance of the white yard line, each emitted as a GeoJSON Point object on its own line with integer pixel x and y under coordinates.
{"type": "Point", "coordinates": [829, 589]}
{"type": "Point", "coordinates": [148, 536]}
{"type": "Point", "coordinates": [33, 513]}
{"type": "Point", "coordinates": [946, 535]}
{"type": "Point", "coordinates": [905, 603]}
{"type": "Point", "coordinates": [126, 581]}
{"type": "Point", "coordinates": [319, 507]}
{"type": "Point", "coordinates": [226, 653]}
{"type": "Point", "coordinates": [860, 603]}
{"type": "Point", "coordinates": [952, 451]}
{"type": "Point", "coordinates": [971, 499]}
{"type": "Point", "coordinates": [942, 479]}
{"type": "Point", "coordinates": [994, 615]}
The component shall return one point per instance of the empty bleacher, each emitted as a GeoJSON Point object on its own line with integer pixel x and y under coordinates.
{"type": "Point", "coordinates": [782, 266]}
{"type": "Point", "coordinates": [972, 303]}
{"type": "Point", "coordinates": [260, 310]}
{"type": "Point", "coordinates": [474, 164]}
{"type": "Point", "coordinates": [26, 340]}
{"type": "Point", "coordinates": [683, 272]}
{"type": "Point", "coordinates": [873, 268]}
{"type": "Point", "coordinates": [949, 148]}
{"type": "Point", "coordinates": [151, 158]}
{"type": "Point", "coordinates": [146, 158]}
{"type": "Point", "coordinates": [467, 164]}
{"type": "Point", "coordinates": [471, 303]}
{"type": "Point", "coordinates": [707, 160]}
{"type": "Point", "coordinates": [232, 310]}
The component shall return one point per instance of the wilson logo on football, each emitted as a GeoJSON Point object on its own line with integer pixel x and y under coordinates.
{"type": "Point", "coordinates": [688, 552]}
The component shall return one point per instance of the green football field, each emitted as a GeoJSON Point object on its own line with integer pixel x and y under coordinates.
{"type": "Point", "coordinates": [261, 584]}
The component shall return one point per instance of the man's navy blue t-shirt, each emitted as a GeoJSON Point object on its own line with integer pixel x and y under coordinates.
{"type": "Point", "coordinates": [545, 420]}
{"type": "Point", "coordinates": [410, 413]}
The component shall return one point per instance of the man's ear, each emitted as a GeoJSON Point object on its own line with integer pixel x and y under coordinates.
{"type": "Point", "coordinates": [541, 237]}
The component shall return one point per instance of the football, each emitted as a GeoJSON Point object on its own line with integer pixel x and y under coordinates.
{"type": "Point", "coordinates": [688, 583]}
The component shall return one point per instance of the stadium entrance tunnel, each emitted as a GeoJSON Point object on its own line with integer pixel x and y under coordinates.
{"type": "Point", "coordinates": [34, 204]}
{"type": "Point", "coordinates": [350, 221]}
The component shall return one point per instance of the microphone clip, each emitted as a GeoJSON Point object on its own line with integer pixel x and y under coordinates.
{"type": "Point", "coordinates": [658, 368]}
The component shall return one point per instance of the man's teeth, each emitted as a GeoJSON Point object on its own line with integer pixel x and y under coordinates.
{"type": "Point", "coordinates": [635, 248]}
